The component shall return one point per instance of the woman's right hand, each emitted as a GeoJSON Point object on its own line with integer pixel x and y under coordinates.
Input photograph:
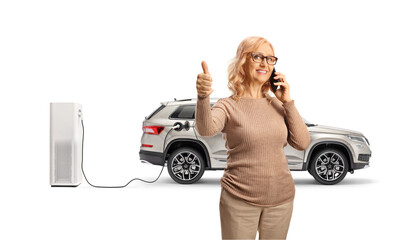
{"type": "Point", "coordinates": [204, 81]}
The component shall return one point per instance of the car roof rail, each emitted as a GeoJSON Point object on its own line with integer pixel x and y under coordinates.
{"type": "Point", "coordinates": [182, 100]}
{"type": "Point", "coordinates": [214, 99]}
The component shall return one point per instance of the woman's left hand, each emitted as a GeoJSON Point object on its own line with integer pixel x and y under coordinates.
{"type": "Point", "coordinates": [282, 93]}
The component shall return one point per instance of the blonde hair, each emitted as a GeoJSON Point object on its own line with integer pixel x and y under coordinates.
{"type": "Point", "coordinates": [236, 74]}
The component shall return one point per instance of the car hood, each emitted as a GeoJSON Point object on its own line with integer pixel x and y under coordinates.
{"type": "Point", "coordinates": [334, 130]}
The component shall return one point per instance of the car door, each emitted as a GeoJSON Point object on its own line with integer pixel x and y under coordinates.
{"type": "Point", "coordinates": [215, 146]}
{"type": "Point", "coordinates": [295, 157]}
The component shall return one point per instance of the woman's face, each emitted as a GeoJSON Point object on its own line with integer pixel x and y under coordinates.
{"type": "Point", "coordinates": [259, 72]}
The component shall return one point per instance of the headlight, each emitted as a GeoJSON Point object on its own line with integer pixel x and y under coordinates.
{"type": "Point", "coordinates": [366, 140]}
{"type": "Point", "coordinates": [358, 139]}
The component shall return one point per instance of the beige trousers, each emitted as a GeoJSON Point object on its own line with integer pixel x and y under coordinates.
{"type": "Point", "coordinates": [241, 220]}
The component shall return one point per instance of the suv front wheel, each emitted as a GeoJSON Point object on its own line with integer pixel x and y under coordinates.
{"type": "Point", "coordinates": [329, 166]}
{"type": "Point", "coordinates": [186, 165]}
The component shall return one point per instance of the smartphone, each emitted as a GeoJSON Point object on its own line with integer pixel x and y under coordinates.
{"type": "Point", "coordinates": [272, 81]}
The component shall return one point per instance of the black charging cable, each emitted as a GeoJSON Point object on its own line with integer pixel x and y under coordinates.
{"type": "Point", "coordinates": [178, 126]}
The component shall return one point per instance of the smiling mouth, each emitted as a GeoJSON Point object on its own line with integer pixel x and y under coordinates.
{"type": "Point", "coordinates": [262, 72]}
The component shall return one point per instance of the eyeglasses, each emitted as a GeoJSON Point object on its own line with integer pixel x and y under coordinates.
{"type": "Point", "coordinates": [258, 58]}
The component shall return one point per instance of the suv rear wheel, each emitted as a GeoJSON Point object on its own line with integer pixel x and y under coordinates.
{"type": "Point", "coordinates": [186, 165]}
{"type": "Point", "coordinates": [329, 166]}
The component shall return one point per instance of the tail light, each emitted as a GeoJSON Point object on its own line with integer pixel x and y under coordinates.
{"type": "Point", "coordinates": [152, 129]}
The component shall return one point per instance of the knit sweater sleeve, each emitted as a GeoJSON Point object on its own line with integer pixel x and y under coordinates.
{"type": "Point", "coordinates": [209, 121]}
{"type": "Point", "coordinates": [298, 135]}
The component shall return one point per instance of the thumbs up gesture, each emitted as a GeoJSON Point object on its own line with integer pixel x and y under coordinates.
{"type": "Point", "coordinates": [204, 81]}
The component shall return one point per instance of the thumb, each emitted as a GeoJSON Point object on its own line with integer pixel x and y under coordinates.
{"type": "Point", "coordinates": [205, 67]}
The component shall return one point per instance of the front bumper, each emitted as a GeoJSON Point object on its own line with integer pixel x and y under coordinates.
{"type": "Point", "coordinates": [364, 161]}
{"type": "Point", "coordinates": [357, 166]}
{"type": "Point", "coordinates": [154, 158]}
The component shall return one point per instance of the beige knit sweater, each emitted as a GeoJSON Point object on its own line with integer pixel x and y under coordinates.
{"type": "Point", "coordinates": [255, 131]}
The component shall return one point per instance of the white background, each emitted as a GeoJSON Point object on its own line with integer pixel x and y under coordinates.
{"type": "Point", "coordinates": [120, 59]}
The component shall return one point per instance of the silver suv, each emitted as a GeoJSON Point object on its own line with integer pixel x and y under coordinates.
{"type": "Point", "coordinates": [169, 136]}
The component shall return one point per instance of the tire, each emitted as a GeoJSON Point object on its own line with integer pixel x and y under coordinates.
{"type": "Point", "coordinates": [329, 166]}
{"type": "Point", "coordinates": [186, 165]}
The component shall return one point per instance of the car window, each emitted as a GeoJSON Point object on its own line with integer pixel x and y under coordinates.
{"type": "Point", "coordinates": [185, 112]}
{"type": "Point", "coordinates": [155, 112]}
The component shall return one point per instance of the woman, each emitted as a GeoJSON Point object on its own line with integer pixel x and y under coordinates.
{"type": "Point", "coordinates": [257, 188]}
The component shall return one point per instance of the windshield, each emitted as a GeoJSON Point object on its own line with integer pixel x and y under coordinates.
{"type": "Point", "coordinates": [306, 121]}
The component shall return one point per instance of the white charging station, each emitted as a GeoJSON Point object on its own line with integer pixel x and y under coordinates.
{"type": "Point", "coordinates": [65, 144]}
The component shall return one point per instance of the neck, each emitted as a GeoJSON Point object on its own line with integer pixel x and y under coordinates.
{"type": "Point", "coordinates": [252, 89]}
